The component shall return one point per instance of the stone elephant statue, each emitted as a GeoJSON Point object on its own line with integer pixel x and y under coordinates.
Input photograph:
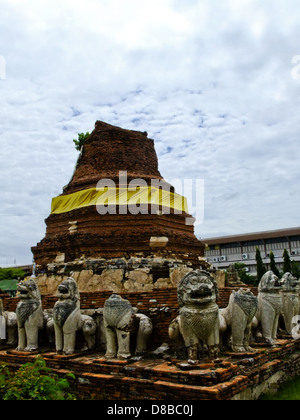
{"type": "Point", "coordinates": [120, 322]}
{"type": "Point", "coordinates": [197, 326]}
{"type": "Point", "coordinates": [237, 320]}
{"type": "Point", "coordinates": [8, 327]}
{"type": "Point", "coordinates": [67, 320]}
{"type": "Point", "coordinates": [30, 316]}
{"type": "Point", "coordinates": [269, 307]}
{"type": "Point", "coordinates": [290, 301]}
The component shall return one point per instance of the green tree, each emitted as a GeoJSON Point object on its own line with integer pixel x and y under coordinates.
{"type": "Point", "coordinates": [273, 264]}
{"type": "Point", "coordinates": [287, 264]}
{"type": "Point", "coordinates": [81, 140]}
{"type": "Point", "coordinates": [33, 382]}
{"type": "Point", "coordinates": [11, 273]}
{"type": "Point", "coordinates": [261, 268]}
{"type": "Point", "coordinates": [243, 275]}
{"type": "Point", "coordinates": [295, 269]}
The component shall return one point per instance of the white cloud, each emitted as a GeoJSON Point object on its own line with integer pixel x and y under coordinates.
{"type": "Point", "coordinates": [212, 82]}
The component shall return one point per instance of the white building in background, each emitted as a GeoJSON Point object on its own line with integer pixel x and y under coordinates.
{"type": "Point", "coordinates": [224, 251]}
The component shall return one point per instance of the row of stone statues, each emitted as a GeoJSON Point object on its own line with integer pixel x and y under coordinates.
{"type": "Point", "coordinates": [200, 325]}
{"type": "Point", "coordinates": [120, 321]}
{"type": "Point", "coordinates": [26, 324]}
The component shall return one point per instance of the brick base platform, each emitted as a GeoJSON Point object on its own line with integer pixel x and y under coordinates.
{"type": "Point", "coordinates": [233, 376]}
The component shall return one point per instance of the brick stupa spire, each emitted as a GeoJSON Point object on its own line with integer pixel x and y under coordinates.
{"type": "Point", "coordinates": [76, 229]}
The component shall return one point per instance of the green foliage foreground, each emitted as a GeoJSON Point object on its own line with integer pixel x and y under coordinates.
{"type": "Point", "coordinates": [290, 391]}
{"type": "Point", "coordinates": [33, 382]}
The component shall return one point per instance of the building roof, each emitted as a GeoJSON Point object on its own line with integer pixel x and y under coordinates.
{"type": "Point", "coordinates": [284, 233]}
{"type": "Point", "coordinates": [8, 285]}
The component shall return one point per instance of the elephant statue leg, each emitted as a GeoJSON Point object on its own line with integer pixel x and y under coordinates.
{"type": "Point", "coordinates": [21, 339]}
{"type": "Point", "coordinates": [121, 321]}
{"type": "Point", "coordinates": [32, 338]}
{"type": "Point", "coordinates": [267, 326]}
{"type": "Point", "coordinates": [123, 344]}
{"type": "Point", "coordinates": [71, 326]}
{"type": "Point", "coordinates": [247, 337]}
{"type": "Point", "coordinates": [144, 331]}
{"type": "Point", "coordinates": [193, 353]}
{"type": "Point", "coordinates": [32, 327]}
{"type": "Point", "coordinates": [238, 323]}
{"type": "Point", "coordinates": [213, 340]}
{"type": "Point", "coordinates": [69, 342]}
{"type": "Point", "coordinates": [275, 328]}
{"type": "Point", "coordinates": [12, 329]}
{"type": "Point", "coordinates": [59, 341]}
{"type": "Point", "coordinates": [111, 343]}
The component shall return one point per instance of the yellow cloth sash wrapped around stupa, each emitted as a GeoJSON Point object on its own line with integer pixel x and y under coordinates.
{"type": "Point", "coordinates": [119, 197]}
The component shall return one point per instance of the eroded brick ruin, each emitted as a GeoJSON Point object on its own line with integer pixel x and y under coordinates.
{"type": "Point", "coordinates": [108, 151]}
{"type": "Point", "coordinates": [160, 243]}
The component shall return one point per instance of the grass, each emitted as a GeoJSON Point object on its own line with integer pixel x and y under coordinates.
{"type": "Point", "coordinates": [290, 391]}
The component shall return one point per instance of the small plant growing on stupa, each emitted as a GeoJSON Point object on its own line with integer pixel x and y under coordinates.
{"type": "Point", "coordinates": [81, 140]}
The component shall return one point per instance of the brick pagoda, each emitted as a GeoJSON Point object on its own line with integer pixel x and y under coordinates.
{"type": "Point", "coordinates": [78, 234]}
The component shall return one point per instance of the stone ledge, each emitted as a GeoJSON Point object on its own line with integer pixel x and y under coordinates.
{"type": "Point", "coordinates": [224, 379]}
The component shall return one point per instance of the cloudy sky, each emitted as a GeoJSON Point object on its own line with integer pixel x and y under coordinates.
{"type": "Point", "coordinates": [215, 83]}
